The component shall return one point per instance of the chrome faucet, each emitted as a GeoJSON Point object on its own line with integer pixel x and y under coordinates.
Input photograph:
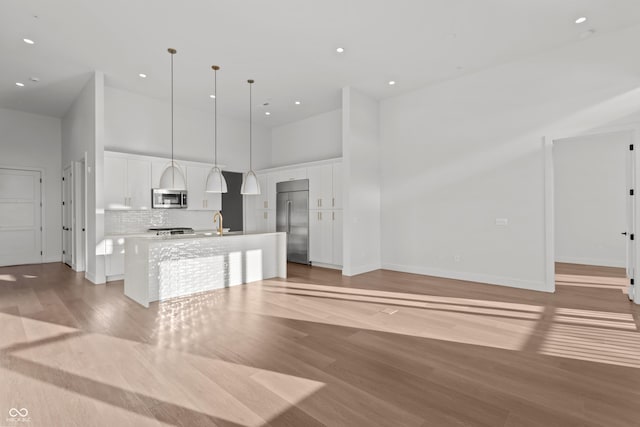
{"type": "Point", "coordinates": [218, 215]}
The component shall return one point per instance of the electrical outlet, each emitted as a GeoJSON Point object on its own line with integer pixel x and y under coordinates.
{"type": "Point", "coordinates": [502, 222]}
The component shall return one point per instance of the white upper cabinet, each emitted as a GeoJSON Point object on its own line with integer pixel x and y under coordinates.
{"type": "Point", "coordinates": [139, 183]}
{"type": "Point", "coordinates": [320, 186]}
{"type": "Point", "coordinates": [197, 198]}
{"type": "Point", "coordinates": [291, 174]}
{"type": "Point", "coordinates": [336, 201]}
{"type": "Point", "coordinates": [262, 200]}
{"type": "Point", "coordinates": [127, 183]}
{"type": "Point", "coordinates": [115, 178]}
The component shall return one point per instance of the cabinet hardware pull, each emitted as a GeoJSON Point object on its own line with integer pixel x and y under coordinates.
{"type": "Point", "coordinates": [333, 202]}
{"type": "Point", "coordinates": [333, 214]}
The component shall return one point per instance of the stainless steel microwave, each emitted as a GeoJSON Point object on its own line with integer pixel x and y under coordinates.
{"type": "Point", "coordinates": [168, 199]}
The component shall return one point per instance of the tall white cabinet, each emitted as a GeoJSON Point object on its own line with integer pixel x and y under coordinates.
{"type": "Point", "coordinates": [325, 214]}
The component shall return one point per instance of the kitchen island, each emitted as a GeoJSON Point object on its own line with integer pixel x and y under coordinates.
{"type": "Point", "coordinates": [162, 267]}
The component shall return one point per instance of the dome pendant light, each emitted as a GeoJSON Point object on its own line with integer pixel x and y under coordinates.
{"type": "Point", "coordinates": [250, 184]}
{"type": "Point", "coordinates": [172, 178]}
{"type": "Point", "coordinates": [215, 180]}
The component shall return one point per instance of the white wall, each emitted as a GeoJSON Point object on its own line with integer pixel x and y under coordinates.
{"type": "Point", "coordinates": [462, 153]}
{"type": "Point", "coordinates": [142, 125]}
{"type": "Point", "coordinates": [83, 133]}
{"type": "Point", "coordinates": [361, 183]}
{"type": "Point", "coordinates": [314, 138]}
{"type": "Point", "coordinates": [34, 141]}
{"type": "Point", "coordinates": [590, 198]}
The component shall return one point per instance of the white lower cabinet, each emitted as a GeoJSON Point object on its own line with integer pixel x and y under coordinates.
{"type": "Point", "coordinates": [114, 257]}
{"type": "Point", "coordinates": [321, 236]}
{"type": "Point", "coordinates": [336, 219]}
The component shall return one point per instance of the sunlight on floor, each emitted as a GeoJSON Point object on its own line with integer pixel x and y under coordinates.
{"type": "Point", "coordinates": [8, 277]}
{"type": "Point", "coordinates": [591, 281]}
{"type": "Point", "coordinates": [51, 405]}
{"type": "Point", "coordinates": [97, 365]}
{"type": "Point", "coordinates": [503, 325]}
{"type": "Point", "coordinates": [593, 344]}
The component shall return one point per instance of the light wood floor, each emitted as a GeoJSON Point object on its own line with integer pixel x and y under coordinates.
{"type": "Point", "coordinates": [379, 349]}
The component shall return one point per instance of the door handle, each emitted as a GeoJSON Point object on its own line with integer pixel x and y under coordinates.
{"type": "Point", "coordinates": [624, 233]}
{"type": "Point", "coordinates": [288, 216]}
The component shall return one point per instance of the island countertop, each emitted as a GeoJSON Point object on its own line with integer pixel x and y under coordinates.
{"type": "Point", "coordinates": [162, 267]}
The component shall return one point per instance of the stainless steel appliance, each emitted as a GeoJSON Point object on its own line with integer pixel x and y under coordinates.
{"type": "Point", "coordinates": [168, 199]}
{"type": "Point", "coordinates": [292, 217]}
{"type": "Point", "coordinates": [169, 231]}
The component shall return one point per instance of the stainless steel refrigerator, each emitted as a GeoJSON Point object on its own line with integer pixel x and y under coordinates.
{"type": "Point", "coordinates": [293, 218]}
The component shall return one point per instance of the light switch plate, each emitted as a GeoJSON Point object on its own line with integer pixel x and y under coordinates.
{"type": "Point", "coordinates": [502, 222]}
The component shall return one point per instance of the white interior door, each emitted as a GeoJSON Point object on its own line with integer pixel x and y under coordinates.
{"type": "Point", "coordinates": [20, 217]}
{"type": "Point", "coordinates": [631, 208]}
{"type": "Point", "coordinates": [67, 215]}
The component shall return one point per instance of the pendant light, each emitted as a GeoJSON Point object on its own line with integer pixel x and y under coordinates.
{"type": "Point", "coordinates": [250, 184]}
{"type": "Point", "coordinates": [172, 178]}
{"type": "Point", "coordinates": [215, 180]}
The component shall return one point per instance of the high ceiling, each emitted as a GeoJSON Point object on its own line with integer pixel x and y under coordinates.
{"type": "Point", "coordinates": [287, 46]}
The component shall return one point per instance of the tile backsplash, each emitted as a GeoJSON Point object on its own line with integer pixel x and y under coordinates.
{"type": "Point", "coordinates": [130, 221]}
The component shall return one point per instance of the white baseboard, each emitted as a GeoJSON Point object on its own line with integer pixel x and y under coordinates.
{"type": "Point", "coordinates": [92, 278]}
{"type": "Point", "coordinates": [472, 277]}
{"type": "Point", "coordinates": [592, 261]}
{"type": "Point", "coordinates": [52, 258]}
{"type": "Point", "coordinates": [331, 266]}
{"type": "Point", "coordinates": [360, 269]}
{"type": "Point", "coordinates": [115, 277]}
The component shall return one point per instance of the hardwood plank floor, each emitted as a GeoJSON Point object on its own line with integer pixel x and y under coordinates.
{"type": "Point", "coordinates": [379, 349]}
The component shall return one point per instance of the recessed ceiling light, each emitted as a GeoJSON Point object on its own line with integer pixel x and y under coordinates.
{"type": "Point", "coordinates": [581, 20]}
{"type": "Point", "coordinates": [298, 102]}
{"type": "Point", "coordinates": [392, 82]}
{"type": "Point", "coordinates": [212, 96]}
{"type": "Point", "coordinates": [28, 41]}
{"type": "Point", "coordinates": [143, 75]}
{"type": "Point", "coordinates": [266, 113]}
{"type": "Point", "coordinates": [34, 79]}
{"type": "Point", "coordinates": [340, 50]}
{"type": "Point", "coordinates": [19, 84]}
{"type": "Point", "coordinates": [588, 33]}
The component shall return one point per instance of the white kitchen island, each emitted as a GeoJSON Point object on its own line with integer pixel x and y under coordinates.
{"type": "Point", "coordinates": [162, 267]}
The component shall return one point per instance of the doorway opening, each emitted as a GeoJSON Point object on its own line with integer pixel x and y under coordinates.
{"type": "Point", "coordinates": [74, 216]}
{"type": "Point", "coordinates": [590, 207]}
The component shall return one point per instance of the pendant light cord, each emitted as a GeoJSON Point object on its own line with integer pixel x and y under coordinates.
{"type": "Point", "coordinates": [173, 167]}
{"type": "Point", "coordinates": [215, 117]}
{"type": "Point", "coordinates": [250, 127]}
